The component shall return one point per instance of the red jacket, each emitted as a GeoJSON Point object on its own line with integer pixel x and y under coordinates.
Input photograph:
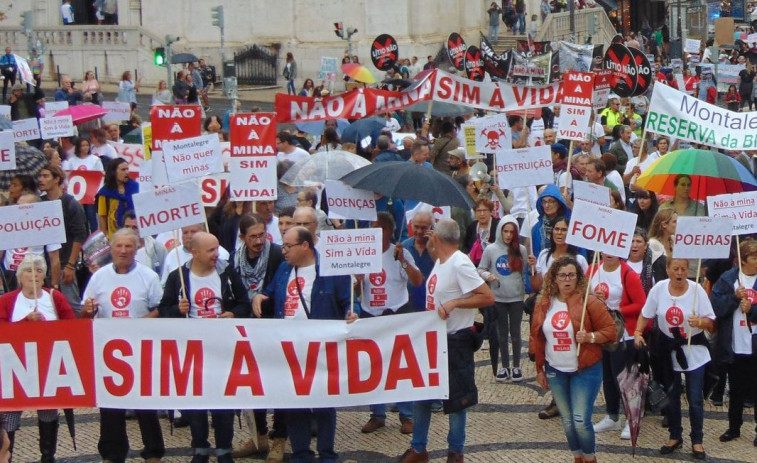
{"type": "Point", "coordinates": [633, 298]}
{"type": "Point", "coordinates": [62, 307]}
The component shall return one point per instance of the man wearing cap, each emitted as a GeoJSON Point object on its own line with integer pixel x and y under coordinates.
{"type": "Point", "coordinates": [23, 105]}
{"type": "Point", "coordinates": [457, 164]}
{"type": "Point", "coordinates": [8, 68]}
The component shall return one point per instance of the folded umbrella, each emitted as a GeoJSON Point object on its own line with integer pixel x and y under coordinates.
{"type": "Point", "coordinates": [71, 423]}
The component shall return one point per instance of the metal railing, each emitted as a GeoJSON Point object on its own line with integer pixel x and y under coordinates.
{"type": "Point", "coordinates": [257, 65]}
{"type": "Point", "coordinates": [557, 26]}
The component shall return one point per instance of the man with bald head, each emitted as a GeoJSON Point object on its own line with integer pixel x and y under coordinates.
{"type": "Point", "coordinates": [305, 216]}
{"type": "Point", "coordinates": [215, 290]}
{"type": "Point", "coordinates": [176, 258]}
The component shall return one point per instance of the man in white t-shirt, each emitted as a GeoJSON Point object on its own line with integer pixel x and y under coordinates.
{"type": "Point", "coordinates": [454, 290]}
{"type": "Point", "coordinates": [183, 253]}
{"type": "Point", "coordinates": [125, 289]}
{"type": "Point", "coordinates": [385, 293]}
{"type": "Point", "coordinates": [265, 209]}
{"type": "Point", "coordinates": [287, 149]}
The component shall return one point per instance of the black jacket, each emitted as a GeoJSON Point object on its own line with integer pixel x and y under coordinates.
{"type": "Point", "coordinates": [725, 304]}
{"type": "Point", "coordinates": [233, 293]}
{"type": "Point", "coordinates": [461, 346]}
{"type": "Point", "coordinates": [275, 258]}
{"type": "Point", "coordinates": [471, 236]}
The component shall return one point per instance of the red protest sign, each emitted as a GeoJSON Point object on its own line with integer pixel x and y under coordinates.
{"type": "Point", "coordinates": [253, 134]}
{"type": "Point", "coordinates": [174, 123]}
{"type": "Point", "coordinates": [83, 185]}
{"type": "Point", "coordinates": [577, 88]}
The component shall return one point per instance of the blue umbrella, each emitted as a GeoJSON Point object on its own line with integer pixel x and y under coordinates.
{"type": "Point", "coordinates": [316, 127]}
{"type": "Point", "coordinates": [368, 127]}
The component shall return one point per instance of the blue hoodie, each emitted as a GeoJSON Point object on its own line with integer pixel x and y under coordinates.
{"type": "Point", "coordinates": [539, 238]}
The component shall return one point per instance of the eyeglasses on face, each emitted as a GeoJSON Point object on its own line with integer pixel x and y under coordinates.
{"type": "Point", "coordinates": [287, 246]}
{"type": "Point", "coordinates": [566, 276]}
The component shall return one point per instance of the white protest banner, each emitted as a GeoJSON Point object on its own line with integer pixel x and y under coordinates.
{"type": "Point", "coordinates": [679, 115]}
{"type": "Point", "coordinates": [253, 178]}
{"type": "Point", "coordinates": [741, 208]}
{"type": "Point", "coordinates": [702, 238]}
{"type": "Point", "coordinates": [56, 126]}
{"type": "Point", "coordinates": [346, 252]}
{"type": "Point", "coordinates": [159, 177]}
{"type": "Point", "coordinates": [26, 129]}
{"type": "Point", "coordinates": [493, 134]}
{"type": "Point", "coordinates": [54, 107]}
{"type": "Point", "coordinates": [192, 157]}
{"type": "Point", "coordinates": [118, 111]}
{"type": "Point", "coordinates": [24, 70]}
{"type": "Point", "coordinates": [168, 208]}
{"type": "Point", "coordinates": [591, 193]}
{"type": "Point", "coordinates": [578, 89]}
{"type": "Point", "coordinates": [437, 213]}
{"type": "Point", "coordinates": [35, 224]}
{"type": "Point", "coordinates": [524, 167]}
{"type": "Point", "coordinates": [132, 152]}
{"type": "Point", "coordinates": [691, 45]}
{"type": "Point", "coordinates": [329, 68]}
{"type": "Point", "coordinates": [145, 175]}
{"type": "Point", "coordinates": [346, 202]}
{"type": "Point", "coordinates": [5, 111]}
{"type": "Point", "coordinates": [213, 187]}
{"type": "Point", "coordinates": [601, 228]}
{"type": "Point", "coordinates": [7, 151]}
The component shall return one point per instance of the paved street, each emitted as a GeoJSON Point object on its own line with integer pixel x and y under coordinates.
{"type": "Point", "coordinates": [502, 428]}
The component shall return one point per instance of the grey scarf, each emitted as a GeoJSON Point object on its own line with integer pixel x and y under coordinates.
{"type": "Point", "coordinates": [252, 276]}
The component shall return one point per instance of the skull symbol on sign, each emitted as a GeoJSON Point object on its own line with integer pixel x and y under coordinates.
{"type": "Point", "coordinates": [492, 138]}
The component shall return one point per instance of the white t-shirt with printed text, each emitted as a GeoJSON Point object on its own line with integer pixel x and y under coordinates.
{"type": "Point", "coordinates": [205, 295]}
{"type": "Point", "coordinates": [173, 261]}
{"type": "Point", "coordinates": [124, 295]}
{"type": "Point", "coordinates": [293, 309]}
{"type": "Point", "coordinates": [89, 162]}
{"type": "Point", "coordinates": [13, 257]}
{"type": "Point", "coordinates": [560, 349]}
{"type": "Point", "coordinates": [742, 333]}
{"type": "Point", "coordinates": [388, 288]}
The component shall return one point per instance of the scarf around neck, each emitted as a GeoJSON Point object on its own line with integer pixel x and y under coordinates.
{"type": "Point", "coordinates": [252, 276]}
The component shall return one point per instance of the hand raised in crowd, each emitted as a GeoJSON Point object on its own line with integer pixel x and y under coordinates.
{"type": "Point", "coordinates": [257, 304]}
{"type": "Point", "coordinates": [532, 261]}
{"type": "Point", "coordinates": [184, 306]}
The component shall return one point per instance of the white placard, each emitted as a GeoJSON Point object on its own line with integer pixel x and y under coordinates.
{"type": "Point", "coordinates": [692, 45]}
{"type": "Point", "coordinates": [437, 213]}
{"type": "Point", "coordinates": [56, 126]}
{"type": "Point", "coordinates": [574, 122]}
{"type": "Point", "coordinates": [702, 238]}
{"type": "Point", "coordinates": [132, 152]}
{"type": "Point", "coordinates": [168, 208]}
{"type": "Point", "coordinates": [741, 208]}
{"type": "Point", "coordinates": [346, 202]}
{"type": "Point", "coordinates": [7, 151]}
{"type": "Point", "coordinates": [35, 224]}
{"type": "Point", "coordinates": [145, 176]}
{"type": "Point", "coordinates": [524, 167]}
{"type": "Point", "coordinates": [348, 252]}
{"type": "Point", "coordinates": [118, 111]}
{"type": "Point", "coordinates": [591, 193]}
{"type": "Point", "coordinates": [493, 134]}
{"type": "Point", "coordinates": [601, 228]}
{"type": "Point", "coordinates": [192, 157]}
{"type": "Point", "coordinates": [159, 177]}
{"type": "Point", "coordinates": [26, 129]}
{"type": "Point", "coordinates": [54, 107]}
{"type": "Point", "coordinates": [253, 178]}
{"type": "Point", "coordinates": [5, 111]}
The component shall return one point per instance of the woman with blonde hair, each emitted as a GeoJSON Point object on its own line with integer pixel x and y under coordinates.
{"type": "Point", "coordinates": [661, 233]}
{"type": "Point", "coordinates": [90, 88]}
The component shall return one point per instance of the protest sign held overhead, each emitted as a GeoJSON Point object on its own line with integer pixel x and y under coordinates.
{"type": "Point", "coordinates": [741, 208]}
{"type": "Point", "coordinates": [192, 157]}
{"type": "Point", "coordinates": [34, 224]}
{"type": "Point", "coordinates": [345, 202]}
{"type": "Point", "coordinates": [474, 64]}
{"type": "Point", "coordinates": [174, 123]}
{"type": "Point", "coordinates": [118, 111]}
{"type": "Point", "coordinates": [56, 127]}
{"type": "Point", "coordinates": [643, 72]}
{"type": "Point", "coordinates": [346, 252]}
{"type": "Point", "coordinates": [493, 134]}
{"type": "Point", "coordinates": [497, 65]}
{"type": "Point", "coordinates": [601, 228]}
{"type": "Point", "coordinates": [524, 167]}
{"type": "Point", "coordinates": [384, 52]}
{"type": "Point", "coordinates": [456, 47]}
{"type": "Point", "coordinates": [621, 62]}
{"type": "Point", "coordinates": [578, 89]}
{"type": "Point", "coordinates": [54, 107]}
{"type": "Point", "coordinates": [702, 238]}
{"type": "Point", "coordinates": [83, 185]}
{"type": "Point", "coordinates": [168, 208]}
{"type": "Point", "coordinates": [253, 178]}
{"type": "Point", "coordinates": [7, 151]}
{"type": "Point", "coordinates": [253, 134]}
{"type": "Point", "coordinates": [591, 193]}
{"type": "Point", "coordinates": [602, 88]}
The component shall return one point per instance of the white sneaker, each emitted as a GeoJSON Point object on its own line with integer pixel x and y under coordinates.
{"type": "Point", "coordinates": [626, 434]}
{"type": "Point", "coordinates": [607, 424]}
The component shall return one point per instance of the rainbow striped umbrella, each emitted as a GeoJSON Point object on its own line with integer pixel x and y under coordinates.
{"type": "Point", "coordinates": [711, 174]}
{"type": "Point", "coordinates": [359, 73]}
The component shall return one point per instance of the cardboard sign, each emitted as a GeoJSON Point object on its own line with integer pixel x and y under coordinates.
{"type": "Point", "coordinates": [118, 111]}
{"type": "Point", "coordinates": [493, 134]}
{"type": "Point", "coordinates": [35, 224]}
{"type": "Point", "coordinates": [192, 157]}
{"type": "Point", "coordinates": [26, 129]}
{"type": "Point", "coordinates": [132, 152]}
{"type": "Point", "coordinates": [347, 252]}
{"type": "Point", "coordinates": [601, 228]}
{"type": "Point", "coordinates": [474, 64]}
{"type": "Point", "coordinates": [591, 193]}
{"type": "Point", "coordinates": [702, 238]}
{"type": "Point", "coordinates": [7, 151]}
{"type": "Point", "coordinates": [456, 50]}
{"type": "Point", "coordinates": [620, 61]}
{"type": "Point", "coordinates": [524, 167]}
{"type": "Point", "coordinates": [56, 127]}
{"type": "Point", "coordinates": [346, 202]}
{"type": "Point", "coordinates": [741, 208]}
{"type": "Point", "coordinates": [147, 139]}
{"type": "Point", "coordinates": [602, 88]}
{"type": "Point", "coordinates": [174, 123]}
{"type": "Point", "coordinates": [168, 208]}
{"type": "Point", "coordinates": [54, 107]}
{"type": "Point", "coordinates": [724, 28]}
{"type": "Point", "coordinates": [253, 134]}
{"type": "Point", "coordinates": [83, 185]}
{"type": "Point", "coordinates": [469, 136]}
{"type": "Point", "coordinates": [384, 52]}
{"type": "Point", "coordinates": [253, 178]}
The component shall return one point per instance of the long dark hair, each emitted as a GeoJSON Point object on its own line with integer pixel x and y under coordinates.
{"type": "Point", "coordinates": [644, 218]}
{"type": "Point", "coordinates": [111, 181]}
{"type": "Point", "coordinates": [514, 257]}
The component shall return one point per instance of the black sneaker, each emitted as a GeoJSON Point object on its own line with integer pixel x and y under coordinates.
{"type": "Point", "coordinates": [225, 458]}
{"type": "Point", "coordinates": [517, 375]}
{"type": "Point", "coordinates": [200, 459]}
{"type": "Point", "coordinates": [502, 375]}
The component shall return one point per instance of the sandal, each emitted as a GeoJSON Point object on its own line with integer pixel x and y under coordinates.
{"type": "Point", "coordinates": [550, 412]}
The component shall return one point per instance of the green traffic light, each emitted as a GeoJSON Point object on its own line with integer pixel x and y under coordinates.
{"type": "Point", "coordinates": [160, 56]}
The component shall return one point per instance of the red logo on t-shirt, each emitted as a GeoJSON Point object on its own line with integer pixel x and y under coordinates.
{"type": "Point", "coordinates": [432, 284]}
{"type": "Point", "coordinates": [292, 287]}
{"type": "Point", "coordinates": [202, 296]}
{"type": "Point", "coordinates": [120, 298]}
{"type": "Point", "coordinates": [378, 279]}
{"type": "Point", "coordinates": [82, 167]}
{"type": "Point", "coordinates": [169, 244]}
{"type": "Point", "coordinates": [603, 290]}
{"type": "Point", "coordinates": [560, 320]}
{"type": "Point", "coordinates": [751, 296]}
{"type": "Point", "coordinates": [674, 316]}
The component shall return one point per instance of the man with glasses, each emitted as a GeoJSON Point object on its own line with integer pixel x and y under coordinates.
{"type": "Point", "coordinates": [210, 288]}
{"type": "Point", "coordinates": [305, 216]}
{"type": "Point", "coordinates": [611, 115]}
{"type": "Point", "coordinates": [299, 292]}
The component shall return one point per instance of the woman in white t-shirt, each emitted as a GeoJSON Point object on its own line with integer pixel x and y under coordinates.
{"type": "Point", "coordinates": [558, 248]}
{"type": "Point", "coordinates": [682, 310]}
{"type": "Point", "coordinates": [83, 159]}
{"type": "Point", "coordinates": [572, 372]}
{"type": "Point", "coordinates": [619, 287]}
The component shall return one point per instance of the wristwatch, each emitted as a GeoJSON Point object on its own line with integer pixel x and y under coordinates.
{"type": "Point", "coordinates": [404, 265]}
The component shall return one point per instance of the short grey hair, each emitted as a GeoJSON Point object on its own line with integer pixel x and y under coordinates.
{"type": "Point", "coordinates": [383, 142]}
{"type": "Point", "coordinates": [30, 262]}
{"type": "Point", "coordinates": [126, 232]}
{"type": "Point", "coordinates": [448, 231]}
{"type": "Point", "coordinates": [426, 214]}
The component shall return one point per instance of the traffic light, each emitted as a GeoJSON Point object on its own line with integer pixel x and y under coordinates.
{"type": "Point", "coordinates": [217, 14]}
{"type": "Point", "coordinates": [160, 56]}
{"type": "Point", "coordinates": [351, 31]}
{"type": "Point", "coordinates": [339, 30]}
{"type": "Point", "coordinates": [27, 22]}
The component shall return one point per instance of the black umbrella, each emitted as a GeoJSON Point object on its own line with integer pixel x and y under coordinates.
{"type": "Point", "coordinates": [71, 423]}
{"type": "Point", "coordinates": [410, 181]}
{"type": "Point", "coordinates": [29, 161]}
{"type": "Point", "coordinates": [368, 127]}
{"type": "Point", "coordinates": [181, 58]}
{"type": "Point", "coordinates": [399, 83]}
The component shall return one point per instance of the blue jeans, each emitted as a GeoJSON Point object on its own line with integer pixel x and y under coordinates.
{"type": "Point", "coordinates": [290, 87]}
{"type": "Point", "coordinates": [298, 427]}
{"type": "Point", "coordinates": [422, 415]}
{"type": "Point", "coordinates": [520, 24]}
{"type": "Point", "coordinates": [574, 394]}
{"type": "Point", "coordinates": [494, 33]}
{"type": "Point", "coordinates": [405, 408]}
{"type": "Point", "coordinates": [695, 396]}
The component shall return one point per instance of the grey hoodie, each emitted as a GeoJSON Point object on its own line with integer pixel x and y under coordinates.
{"type": "Point", "coordinates": [512, 285]}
